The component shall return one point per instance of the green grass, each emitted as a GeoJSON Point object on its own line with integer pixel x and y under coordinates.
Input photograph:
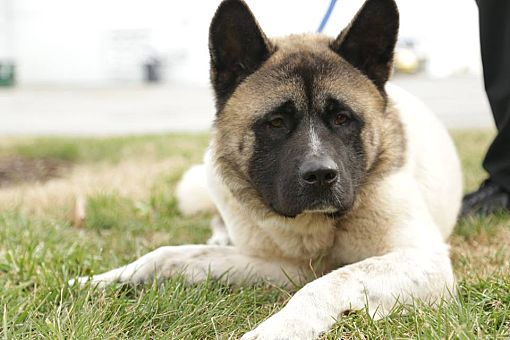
{"type": "Point", "coordinates": [113, 149]}
{"type": "Point", "coordinates": [39, 253]}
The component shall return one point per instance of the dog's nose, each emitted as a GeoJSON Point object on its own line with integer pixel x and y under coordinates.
{"type": "Point", "coordinates": [319, 172]}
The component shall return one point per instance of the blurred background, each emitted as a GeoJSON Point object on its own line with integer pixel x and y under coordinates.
{"type": "Point", "coordinates": [95, 67]}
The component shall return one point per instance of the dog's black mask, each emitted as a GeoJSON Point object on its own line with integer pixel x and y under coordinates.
{"type": "Point", "coordinates": [308, 159]}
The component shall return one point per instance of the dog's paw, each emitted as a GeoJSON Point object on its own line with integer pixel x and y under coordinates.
{"type": "Point", "coordinates": [283, 328]}
{"type": "Point", "coordinates": [219, 240]}
{"type": "Point", "coordinates": [83, 281]}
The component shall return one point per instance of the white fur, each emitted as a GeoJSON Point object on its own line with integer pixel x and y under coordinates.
{"type": "Point", "coordinates": [192, 194]}
{"type": "Point", "coordinates": [432, 159]}
{"type": "Point", "coordinates": [374, 266]}
{"type": "Point", "coordinates": [219, 232]}
{"type": "Point", "coordinates": [315, 142]}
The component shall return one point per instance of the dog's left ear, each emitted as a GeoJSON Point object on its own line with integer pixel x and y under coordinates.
{"type": "Point", "coordinates": [369, 41]}
{"type": "Point", "coordinates": [237, 46]}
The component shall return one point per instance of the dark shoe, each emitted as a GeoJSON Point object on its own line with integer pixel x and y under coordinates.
{"type": "Point", "coordinates": [488, 199]}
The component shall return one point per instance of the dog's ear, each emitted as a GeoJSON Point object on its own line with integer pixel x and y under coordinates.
{"type": "Point", "coordinates": [369, 41]}
{"type": "Point", "coordinates": [237, 46]}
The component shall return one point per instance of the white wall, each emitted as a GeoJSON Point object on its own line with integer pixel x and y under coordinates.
{"type": "Point", "coordinates": [100, 41]}
{"type": "Point", "coordinates": [6, 47]}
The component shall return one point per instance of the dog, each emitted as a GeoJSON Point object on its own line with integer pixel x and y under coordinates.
{"type": "Point", "coordinates": [320, 173]}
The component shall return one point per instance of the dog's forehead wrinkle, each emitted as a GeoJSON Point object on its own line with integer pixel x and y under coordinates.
{"type": "Point", "coordinates": [312, 74]}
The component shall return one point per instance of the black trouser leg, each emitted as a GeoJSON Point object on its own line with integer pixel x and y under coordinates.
{"type": "Point", "coordinates": [495, 46]}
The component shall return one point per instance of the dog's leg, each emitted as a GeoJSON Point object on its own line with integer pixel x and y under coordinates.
{"type": "Point", "coordinates": [219, 235]}
{"type": "Point", "coordinates": [196, 263]}
{"type": "Point", "coordinates": [378, 283]}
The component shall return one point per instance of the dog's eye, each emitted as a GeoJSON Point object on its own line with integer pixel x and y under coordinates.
{"type": "Point", "coordinates": [339, 114]}
{"type": "Point", "coordinates": [276, 123]}
{"type": "Point", "coordinates": [341, 119]}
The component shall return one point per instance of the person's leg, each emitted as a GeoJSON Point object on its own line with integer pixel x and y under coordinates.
{"type": "Point", "coordinates": [494, 16]}
{"type": "Point", "coordinates": [495, 44]}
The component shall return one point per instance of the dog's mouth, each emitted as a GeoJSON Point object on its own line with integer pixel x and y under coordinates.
{"type": "Point", "coordinates": [321, 208]}
{"type": "Point", "coordinates": [330, 211]}
{"type": "Point", "coordinates": [291, 201]}
{"type": "Point", "coordinates": [333, 213]}
{"type": "Point", "coordinates": [321, 211]}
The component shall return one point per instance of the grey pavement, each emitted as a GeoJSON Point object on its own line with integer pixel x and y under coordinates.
{"type": "Point", "coordinates": [104, 111]}
{"type": "Point", "coordinates": [458, 101]}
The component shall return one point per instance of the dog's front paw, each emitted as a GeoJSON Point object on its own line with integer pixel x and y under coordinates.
{"type": "Point", "coordinates": [82, 281]}
{"type": "Point", "coordinates": [281, 327]}
{"type": "Point", "coordinates": [96, 281]}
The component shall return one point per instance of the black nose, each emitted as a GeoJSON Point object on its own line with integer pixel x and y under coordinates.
{"type": "Point", "coordinates": [319, 172]}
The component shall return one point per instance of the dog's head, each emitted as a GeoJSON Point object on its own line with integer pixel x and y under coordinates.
{"type": "Point", "coordinates": [299, 119]}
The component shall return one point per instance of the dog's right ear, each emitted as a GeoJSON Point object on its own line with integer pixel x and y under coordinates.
{"type": "Point", "coordinates": [237, 46]}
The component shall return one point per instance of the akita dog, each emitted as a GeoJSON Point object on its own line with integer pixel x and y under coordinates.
{"type": "Point", "coordinates": [319, 173]}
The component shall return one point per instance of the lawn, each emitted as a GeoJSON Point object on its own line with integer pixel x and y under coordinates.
{"type": "Point", "coordinates": [128, 183]}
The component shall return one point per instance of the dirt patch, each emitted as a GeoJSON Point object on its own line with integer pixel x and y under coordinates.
{"type": "Point", "coordinates": [15, 170]}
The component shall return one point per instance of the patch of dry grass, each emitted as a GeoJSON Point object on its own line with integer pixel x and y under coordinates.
{"type": "Point", "coordinates": [481, 256]}
{"type": "Point", "coordinates": [127, 166]}
{"type": "Point", "coordinates": [129, 178]}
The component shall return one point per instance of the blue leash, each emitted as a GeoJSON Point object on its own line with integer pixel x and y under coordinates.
{"type": "Point", "coordinates": [326, 16]}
